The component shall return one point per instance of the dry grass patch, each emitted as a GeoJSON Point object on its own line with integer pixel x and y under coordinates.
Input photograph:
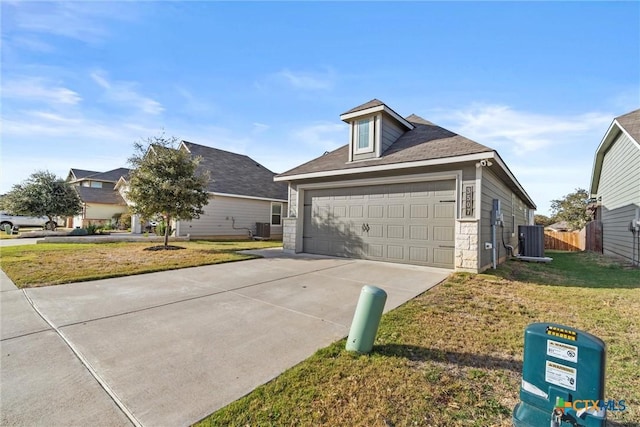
{"type": "Point", "coordinates": [57, 263]}
{"type": "Point", "coordinates": [453, 356]}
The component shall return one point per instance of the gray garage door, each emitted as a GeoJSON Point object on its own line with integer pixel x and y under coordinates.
{"type": "Point", "coordinates": [411, 223]}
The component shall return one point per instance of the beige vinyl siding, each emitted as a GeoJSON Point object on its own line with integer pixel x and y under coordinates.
{"type": "Point", "coordinates": [511, 204]}
{"type": "Point", "coordinates": [391, 131]}
{"type": "Point", "coordinates": [101, 212]}
{"type": "Point", "coordinates": [619, 188]}
{"type": "Point", "coordinates": [231, 217]}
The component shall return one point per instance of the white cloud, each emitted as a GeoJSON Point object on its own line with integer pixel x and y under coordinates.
{"type": "Point", "coordinates": [300, 80]}
{"type": "Point", "coordinates": [40, 90]}
{"type": "Point", "coordinates": [523, 132]}
{"type": "Point", "coordinates": [86, 22]}
{"type": "Point", "coordinates": [324, 135]}
{"type": "Point", "coordinates": [124, 93]}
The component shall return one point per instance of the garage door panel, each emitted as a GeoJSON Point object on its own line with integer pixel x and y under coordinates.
{"type": "Point", "coordinates": [443, 210]}
{"type": "Point", "coordinates": [443, 234]}
{"type": "Point", "coordinates": [418, 254]}
{"type": "Point", "coordinates": [419, 211]}
{"type": "Point", "coordinates": [443, 256]}
{"type": "Point", "coordinates": [375, 211]}
{"type": "Point", "coordinates": [407, 223]}
{"type": "Point", "coordinates": [419, 232]}
{"type": "Point", "coordinates": [395, 252]}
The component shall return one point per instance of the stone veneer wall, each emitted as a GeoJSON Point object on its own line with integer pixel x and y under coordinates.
{"type": "Point", "coordinates": [467, 253]}
{"type": "Point", "coordinates": [289, 226]}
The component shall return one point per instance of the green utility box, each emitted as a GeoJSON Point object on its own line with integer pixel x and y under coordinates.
{"type": "Point", "coordinates": [562, 378]}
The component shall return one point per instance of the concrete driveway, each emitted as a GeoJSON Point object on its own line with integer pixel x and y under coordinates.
{"type": "Point", "coordinates": [170, 348]}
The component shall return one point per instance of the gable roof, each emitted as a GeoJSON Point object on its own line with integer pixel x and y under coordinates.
{"type": "Point", "coordinates": [107, 196]}
{"type": "Point", "coordinates": [627, 123]}
{"type": "Point", "coordinates": [371, 107]}
{"type": "Point", "coordinates": [425, 142]}
{"type": "Point", "coordinates": [110, 176]}
{"type": "Point", "coordinates": [80, 173]}
{"type": "Point", "coordinates": [237, 174]}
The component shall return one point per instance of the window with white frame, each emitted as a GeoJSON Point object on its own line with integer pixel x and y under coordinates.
{"type": "Point", "coordinates": [363, 136]}
{"type": "Point", "coordinates": [276, 213]}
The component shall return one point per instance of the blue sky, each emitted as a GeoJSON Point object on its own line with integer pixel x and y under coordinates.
{"type": "Point", "coordinates": [539, 82]}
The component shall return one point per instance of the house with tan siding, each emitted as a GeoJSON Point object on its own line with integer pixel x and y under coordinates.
{"type": "Point", "coordinates": [405, 190]}
{"type": "Point", "coordinates": [100, 200]}
{"type": "Point", "coordinates": [615, 186]}
{"type": "Point", "coordinates": [243, 197]}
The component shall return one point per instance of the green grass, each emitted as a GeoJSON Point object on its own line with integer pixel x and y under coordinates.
{"type": "Point", "coordinates": [453, 355]}
{"type": "Point", "coordinates": [57, 263]}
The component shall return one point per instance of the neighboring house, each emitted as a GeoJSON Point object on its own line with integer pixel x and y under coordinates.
{"type": "Point", "coordinates": [559, 226]}
{"type": "Point", "coordinates": [405, 190]}
{"type": "Point", "coordinates": [100, 200]}
{"type": "Point", "coordinates": [615, 185]}
{"type": "Point", "coordinates": [242, 193]}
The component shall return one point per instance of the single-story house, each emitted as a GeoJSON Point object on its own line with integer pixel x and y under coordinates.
{"type": "Point", "coordinates": [615, 186]}
{"type": "Point", "coordinates": [244, 200]}
{"type": "Point", "coordinates": [100, 200]}
{"type": "Point", "coordinates": [405, 190]}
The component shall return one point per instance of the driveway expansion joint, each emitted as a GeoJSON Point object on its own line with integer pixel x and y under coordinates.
{"type": "Point", "coordinates": [112, 394]}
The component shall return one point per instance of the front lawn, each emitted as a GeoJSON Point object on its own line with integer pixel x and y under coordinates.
{"type": "Point", "coordinates": [56, 263]}
{"type": "Point", "coordinates": [453, 355]}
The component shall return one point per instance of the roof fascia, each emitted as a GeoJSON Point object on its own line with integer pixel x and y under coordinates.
{"type": "Point", "coordinates": [513, 179]}
{"type": "Point", "coordinates": [611, 134]}
{"type": "Point", "coordinates": [183, 145]}
{"type": "Point", "coordinates": [240, 196]}
{"type": "Point", "coordinates": [378, 108]}
{"type": "Point", "coordinates": [392, 166]}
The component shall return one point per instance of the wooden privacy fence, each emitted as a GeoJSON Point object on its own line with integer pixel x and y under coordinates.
{"type": "Point", "coordinates": [565, 240]}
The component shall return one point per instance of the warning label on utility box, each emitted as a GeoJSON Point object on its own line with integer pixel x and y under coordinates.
{"type": "Point", "coordinates": [562, 351]}
{"type": "Point", "coordinates": [561, 375]}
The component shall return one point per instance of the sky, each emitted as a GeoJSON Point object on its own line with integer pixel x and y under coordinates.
{"type": "Point", "coordinates": [540, 82]}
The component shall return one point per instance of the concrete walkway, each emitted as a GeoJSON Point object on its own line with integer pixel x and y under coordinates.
{"type": "Point", "coordinates": [170, 348]}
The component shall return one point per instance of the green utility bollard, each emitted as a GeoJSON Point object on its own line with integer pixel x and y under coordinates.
{"type": "Point", "coordinates": [366, 319]}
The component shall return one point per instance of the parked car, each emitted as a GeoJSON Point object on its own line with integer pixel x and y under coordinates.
{"type": "Point", "coordinates": [28, 221]}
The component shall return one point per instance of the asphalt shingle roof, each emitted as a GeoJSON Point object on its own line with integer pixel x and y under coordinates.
{"type": "Point", "coordinates": [233, 173]}
{"type": "Point", "coordinates": [426, 141]}
{"type": "Point", "coordinates": [106, 195]}
{"type": "Point", "coordinates": [631, 123]}
{"type": "Point", "coordinates": [81, 173]}
{"type": "Point", "coordinates": [110, 176]}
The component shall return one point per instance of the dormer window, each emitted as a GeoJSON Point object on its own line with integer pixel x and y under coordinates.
{"type": "Point", "coordinates": [364, 133]}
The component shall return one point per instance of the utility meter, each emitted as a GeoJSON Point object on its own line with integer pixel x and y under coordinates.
{"type": "Point", "coordinates": [562, 378]}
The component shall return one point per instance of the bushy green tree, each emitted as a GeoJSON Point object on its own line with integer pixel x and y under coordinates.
{"type": "Point", "coordinates": [43, 194]}
{"type": "Point", "coordinates": [165, 182]}
{"type": "Point", "coordinates": [543, 220]}
{"type": "Point", "coordinates": [572, 208]}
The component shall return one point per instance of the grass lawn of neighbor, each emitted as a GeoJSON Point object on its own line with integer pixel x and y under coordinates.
{"type": "Point", "coordinates": [56, 263]}
{"type": "Point", "coordinates": [453, 355]}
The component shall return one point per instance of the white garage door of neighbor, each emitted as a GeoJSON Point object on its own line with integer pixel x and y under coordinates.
{"type": "Point", "coordinates": [412, 223]}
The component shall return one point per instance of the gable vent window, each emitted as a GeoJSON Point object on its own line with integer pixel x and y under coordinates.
{"type": "Point", "coordinates": [364, 136]}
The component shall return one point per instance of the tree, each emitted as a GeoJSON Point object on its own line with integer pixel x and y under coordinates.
{"type": "Point", "coordinates": [572, 208]}
{"type": "Point", "coordinates": [543, 220]}
{"type": "Point", "coordinates": [164, 182]}
{"type": "Point", "coordinates": [43, 194]}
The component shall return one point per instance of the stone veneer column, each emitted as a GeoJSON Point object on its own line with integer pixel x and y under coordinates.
{"type": "Point", "coordinates": [467, 252]}
{"type": "Point", "coordinates": [289, 226]}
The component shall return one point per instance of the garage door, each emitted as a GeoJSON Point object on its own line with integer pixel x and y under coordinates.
{"type": "Point", "coordinates": [409, 223]}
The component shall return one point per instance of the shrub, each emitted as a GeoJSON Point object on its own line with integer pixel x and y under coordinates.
{"type": "Point", "coordinates": [78, 232]}
{"type": "Point", "coordinates": [125, 221]}
{"type": "Point", "coordinates": [91, 229]}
